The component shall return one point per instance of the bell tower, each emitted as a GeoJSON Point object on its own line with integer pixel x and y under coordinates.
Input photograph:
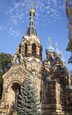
{"type": "Point", "coordinates": [30, 45]}
{"type": "Point", "coordinates": [30, 49]}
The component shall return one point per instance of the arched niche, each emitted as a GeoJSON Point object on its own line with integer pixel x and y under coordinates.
{"type": "Point", "coordinates": [13, 92]}
{"type": "Point", "coordinates": [16, 87]}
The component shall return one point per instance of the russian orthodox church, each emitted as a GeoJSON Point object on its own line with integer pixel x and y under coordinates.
{"type": "Point", "coordinates": [50, 76]}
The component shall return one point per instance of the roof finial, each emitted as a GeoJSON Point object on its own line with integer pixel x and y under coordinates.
{"type": "Point", "coordinates": [56, 45]}
{"type": "Point", "coordinates": [49, 41]}
{"type": "Point", "coordinates": [32, 11]}
{"type": "Point", "coordinates": [32, 6]}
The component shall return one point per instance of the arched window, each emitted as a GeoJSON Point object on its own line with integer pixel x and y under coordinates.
{"type": "Point", "coordinates": [25, 49]}
{"type": "Point", "coordinates": [34, 49]}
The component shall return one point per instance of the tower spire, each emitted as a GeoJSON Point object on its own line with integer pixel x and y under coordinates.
{"type": "Point", "coordinates": [32, 11]}
{"type": "Point", "coordinates": [31, 30]}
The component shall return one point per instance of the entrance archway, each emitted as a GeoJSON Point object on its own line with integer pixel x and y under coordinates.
{"type": "Point", "coordinates": [13, 91]}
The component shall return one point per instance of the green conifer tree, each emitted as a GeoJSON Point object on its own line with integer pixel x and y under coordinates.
{"type": "Point", "coordinates": [28, 102]}
{"type": "Point", "coordinates": [5, 63]}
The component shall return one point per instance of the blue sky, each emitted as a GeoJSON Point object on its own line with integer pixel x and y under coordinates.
{"type": "Point", "coordinates": [50, 20]}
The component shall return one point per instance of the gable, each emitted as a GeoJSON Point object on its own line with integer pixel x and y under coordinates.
{"type": "Point", "coordinates": [16, 72]}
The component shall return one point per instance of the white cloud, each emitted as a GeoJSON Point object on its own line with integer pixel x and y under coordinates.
{"type": "Point", "coordinates": [13, 32]}
{"type": "Point", "coordinates": [17, 12]}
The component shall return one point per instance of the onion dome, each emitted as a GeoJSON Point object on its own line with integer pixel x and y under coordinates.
{"type": "Point", "coordinates": [63, 60]}
{"type": "Point", "coordinates": [50, 48]}
{"type": "Point", "coordinates": [57, 51]}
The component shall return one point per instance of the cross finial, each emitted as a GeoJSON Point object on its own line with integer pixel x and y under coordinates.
{"type": "Point", "coordinates": [49, 41]}
{"type": "Point", "coordinates": [32, 11]}
{"type": "Point", "coordinates": [56, 45]}
{"type": "Point", "coordinates": [32, 5]}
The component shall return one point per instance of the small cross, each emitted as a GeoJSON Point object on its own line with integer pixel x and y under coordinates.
{"type": "Point", "coordinates": [32, 5]}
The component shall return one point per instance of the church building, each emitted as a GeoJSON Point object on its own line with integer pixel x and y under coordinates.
{"type": "Point", "coordinates": [50, 76]}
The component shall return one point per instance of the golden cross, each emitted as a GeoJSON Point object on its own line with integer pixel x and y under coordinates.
{"type": "Point", "coordinates": [32, 5]}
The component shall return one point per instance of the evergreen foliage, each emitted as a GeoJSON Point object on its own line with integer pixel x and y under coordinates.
{"type": "Point", "coordinates": [28, 102]}
{"type": "Point", "coordinates": [5, 63]}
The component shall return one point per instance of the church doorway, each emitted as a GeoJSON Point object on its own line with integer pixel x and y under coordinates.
{"type": "Point", "coordinates": [13, 92]}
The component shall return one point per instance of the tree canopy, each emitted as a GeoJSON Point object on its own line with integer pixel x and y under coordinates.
{"type": "Point", "coordinates": [5, 63]}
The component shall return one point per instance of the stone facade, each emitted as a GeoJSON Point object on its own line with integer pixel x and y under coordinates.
{"type": "Point", "coordinates": [55, 84]}
{"type": "Point", "coordinates": [51, 77]}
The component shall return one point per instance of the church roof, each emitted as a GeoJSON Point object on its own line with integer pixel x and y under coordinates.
{"type": "Point", "coordinates": [57, 51]}
{"type": "Point", "coordinates": [50, 49]}
{"type": "Point", "coordinates": [31, 30]}
{"type": "Point", "coordinates": [63, 60]}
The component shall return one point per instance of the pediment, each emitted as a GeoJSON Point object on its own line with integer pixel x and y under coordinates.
{"type": "Point", "coordinates": [16, 72]}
